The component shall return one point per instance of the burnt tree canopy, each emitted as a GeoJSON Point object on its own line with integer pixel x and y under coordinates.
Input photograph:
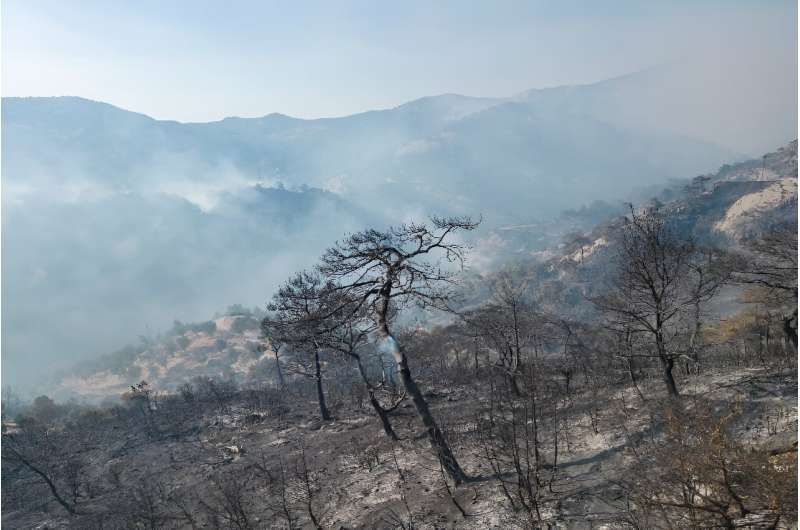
{"type": "Point", "coordinates": [299, 315]}
{"type": "Point", "coordinates": [410, 263]}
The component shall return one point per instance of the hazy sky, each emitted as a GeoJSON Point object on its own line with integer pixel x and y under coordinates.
{"type": "Point", "coordinates": [200, 60]}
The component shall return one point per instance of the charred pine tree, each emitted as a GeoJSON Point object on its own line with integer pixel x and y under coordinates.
{"type": "Point", "coordinates": [297, 319]}
{"type": "Point", "coordinates": [384, 271]}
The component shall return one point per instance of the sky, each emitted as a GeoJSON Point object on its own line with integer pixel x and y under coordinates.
{"type": "Point", "coordinates": [197, 60]}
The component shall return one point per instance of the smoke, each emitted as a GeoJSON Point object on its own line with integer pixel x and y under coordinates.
{"type": "Point", "coordinates": [82, 278]}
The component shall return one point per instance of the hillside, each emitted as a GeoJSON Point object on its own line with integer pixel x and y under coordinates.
{"type": "Point", "coordinates": [725, 208]}
{"type": "Point", "coordinates": [226, 347]}
{"type": "Point", "coordinates": [733, 203]}
{"type": "Point", "coordinates": [557, 411]}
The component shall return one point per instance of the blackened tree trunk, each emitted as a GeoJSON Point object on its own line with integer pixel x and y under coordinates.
{"type": "Point", "coordinates": [281, 380]}
{"type": "Point", "coordinates": [382, 413]}
{"type": "Point", "coordinates": [435, 436]}
{"type": "Point", "coordinates": [695, 336]}
{"type": "Point", "coordinates": [667, 366]}
{"type": "Point", "coordinates": [789, 330]}
{"type": "Point", "coordinates": [476, 358]}
{"type": "Point", "coordinates": [323, 408]}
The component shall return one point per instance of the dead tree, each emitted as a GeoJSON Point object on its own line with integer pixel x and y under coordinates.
{"type": "Point", "coordinates": [382, 271]}
{"type": "Point", "coordinates": [40, 452]}
{"type": "Point", "coordinates": [652, 290]}
{"type": "Point", "coordinates": [309, 488]}
{"type": "Point", "coordinates": [698, 475]}
{"type": "Point", "coordinates": [519, 442]}
{"type": "Point", "coordinates": [144, 503]}
{"type": "Point", "coordinates": [507, 326]}
{"type": "Point", "coordinates": [298, 320]}
{"type": "Point", "coordinates": [710, 270]}
{"type": "Point", "coordinates": [272, 343]}
{"type": "Point", "coordinates": [230, 501]}
{"type": "Point", "coordinates": [275, 482]}
{"type": "Point", "coordinates": [142, 397]}
{"type": "Point", "coordinates": [771, 264]}
{"type": "Point", "coordinates": [349, 339]}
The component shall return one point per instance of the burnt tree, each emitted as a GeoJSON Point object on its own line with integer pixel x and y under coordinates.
{"type": "Point", "coordinates": [384, 271]}
{"type": "Point", "coordinates": [654, 288]}
{"type": "Point", "coordinates": [349, 339]}
{"type": "Point", "coordinates": [297, 319]}
{"type": "Point", "coordinates": [507, 325]}
{"type": "Point", "coordinates": [771, 264]}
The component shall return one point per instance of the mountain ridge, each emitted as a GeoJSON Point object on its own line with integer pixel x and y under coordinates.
{"type": "Point", "coordinates": [515, 162]}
